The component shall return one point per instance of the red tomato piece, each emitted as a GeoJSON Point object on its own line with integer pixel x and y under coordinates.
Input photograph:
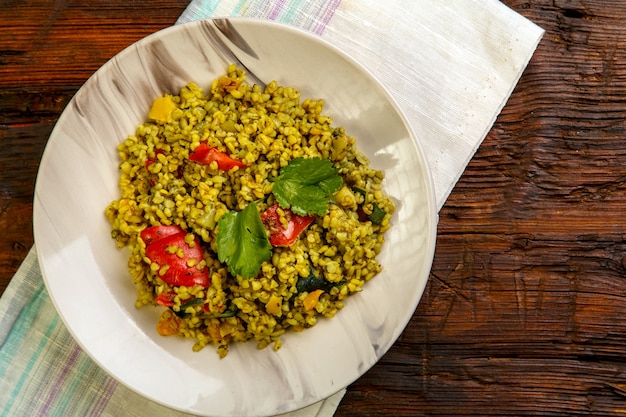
{"type": "Point", "coordinates": [179, 271]}
{"type": "Point", "coordinates": [205, 154]}
{"type": "Point", "coordinates": [154, 233]}
{"type": "Point", "coordinates": [165, 299]}
{"type": "Point", "coordinates": [280, 236]}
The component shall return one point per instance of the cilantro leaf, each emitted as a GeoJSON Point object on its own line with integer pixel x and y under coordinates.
{"type": "Point", "coordinates": [242, 242]}
{"type": "Point", "coordinates": [306, 185]}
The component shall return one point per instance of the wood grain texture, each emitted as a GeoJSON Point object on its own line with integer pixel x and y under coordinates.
{"type": "Point", "coordinates": [525, 310]}
{"type": "Point", "coordinates": [47, 51]}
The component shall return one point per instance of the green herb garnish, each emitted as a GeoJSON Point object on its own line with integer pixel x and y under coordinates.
{"type": "Point", "coordinates": [182, 313]}
{"type": "Point", "coordinates": [312, 283]}
{"type": "Point", "coordinates": [242, 241]}
{"type": "Point", "coordinates": [359, 191]}
{"type": "Point", "coordinates": [306, 185]}
{"type": "Point", "coordinates": [377, 215]}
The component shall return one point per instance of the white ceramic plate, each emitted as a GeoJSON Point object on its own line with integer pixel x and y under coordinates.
{"type": "Point", "coordinates": [86, 275]}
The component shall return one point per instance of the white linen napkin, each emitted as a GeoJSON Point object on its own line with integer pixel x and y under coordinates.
{"type": "Point", "coordinates": [450, 65]}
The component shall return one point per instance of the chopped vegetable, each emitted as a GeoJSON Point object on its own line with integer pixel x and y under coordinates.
{"type": "Point", "coordinates": [311, 299]}
{"type": "Point", "coordinates": [167, 247]}
{"type": "Point", "coordinates": [191, 302]}
{"type": "Point", "coordinates": [161, 108]}
{"type": "Point", "coordinates": [169, 324]}
{"type": "Point", "coordinates": [377, 214]}
{"type": "Point", "coordinates": [205, 154]}
{"type": "Point", "coordinates": [213, 330]}
{"type": "Point", "coordinates": [188, 303]}
{"type": "Point", "coordinates": [312, 283]}
{"type": "Point", "coordinates": [229, 83]}
{"type": "Point", "coordinates": [165, 299]}
{"type": "Point", "coordinates": [346, 198]}
{"type": "Point", "coordinates": [359, 191]}
{"type": "Point", "coordinates": [274, 305]}
{"type": "Point", "coordinates": [279, 234]}
{"type": "Point", "coordinates": [154, 233]}
{"type": "Point", "coordinates": [306, 185]}
{"type": "Point", "coordinates": [242, 241]}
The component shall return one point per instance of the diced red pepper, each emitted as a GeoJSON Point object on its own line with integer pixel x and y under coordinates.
{"type": "Point", "coordinates": [179, 271]}
{"type": "Point", "coordinates": [150, 161]}
{"type": "Point", "coordinates": [205, 154]}
{"type": "Point", "coordinates": [165, 299]}
{"type": "Point", "coordinates": [154, 233]}
{"type": "Point", "coordinates": [168, 299]}
{"type": "Point", "coordinates": [158, 241]}
{"type": "Point", "coordinates": [280, 236]}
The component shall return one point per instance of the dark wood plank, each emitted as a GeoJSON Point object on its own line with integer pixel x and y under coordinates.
{"type": "Point", "coordinates": [47, 51]}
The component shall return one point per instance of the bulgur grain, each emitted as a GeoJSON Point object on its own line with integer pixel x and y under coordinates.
{"type": "Point", "coordinates": [266, 128]}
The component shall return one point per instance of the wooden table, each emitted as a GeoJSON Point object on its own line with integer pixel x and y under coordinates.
{"type": "Point", "coordinates": [525, 310]}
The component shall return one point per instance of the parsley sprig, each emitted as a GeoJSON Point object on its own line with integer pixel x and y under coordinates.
{"type": "Point", "coordinates": [305, 186]}
{"type": "Point", "coordinates": [242, 241]}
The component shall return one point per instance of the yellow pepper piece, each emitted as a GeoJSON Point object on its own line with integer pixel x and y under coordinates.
{"type": "Point", "coordinates": [168, 324]}
{"type": "Point", "coordinates": [311, 300]}
{"type": "Point", "coordinates": [274, 305]}
{"type": "Point", "coordinates": [213, 330]}
{"type": "Point", "coordinates": [161, 108]}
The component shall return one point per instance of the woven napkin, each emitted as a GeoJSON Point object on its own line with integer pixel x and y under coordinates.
{"type": "Point", "coordinates": [450, 65]}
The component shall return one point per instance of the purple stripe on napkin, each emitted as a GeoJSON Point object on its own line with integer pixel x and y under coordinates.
{"type": "Point", "coordinates": [108, 390]}
{"type": "Point", "coordinates": [276, 9]}
{"type": "Point", "coordinates": [328, 13]}
{"type": "Point", "coordinates": [58, 383]}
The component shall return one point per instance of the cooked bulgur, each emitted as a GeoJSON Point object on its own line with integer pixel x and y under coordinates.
{"type": "Point", "coordinates": [265, 129]}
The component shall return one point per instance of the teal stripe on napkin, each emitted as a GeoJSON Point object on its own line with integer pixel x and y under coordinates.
{"type": "Point", "coordinates": [17, 337]}
{"type": "Point", "coordinates": [42, 369]}
{"type": "Point", "coordinates": [313, 16]}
